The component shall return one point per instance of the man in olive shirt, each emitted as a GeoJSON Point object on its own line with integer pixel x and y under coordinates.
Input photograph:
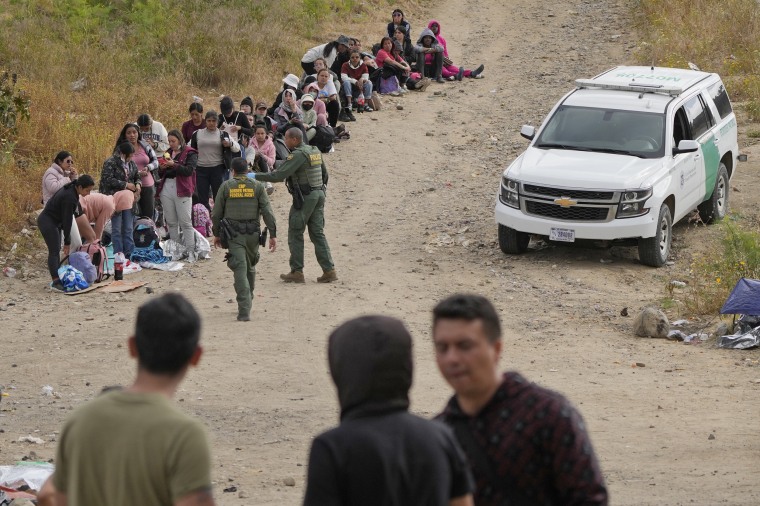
{"type": "Point", "coordinates": [308, 176]}
{"type": "Point", "coordinates": [241, 201]}
{"type": "Point", "coordinates": [133, 446]}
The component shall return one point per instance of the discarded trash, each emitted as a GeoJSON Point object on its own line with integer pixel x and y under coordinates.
{"type": "Point", "coordinates": [677, 334]}
{"type": "Point", "coordinates": [678, 284]}
{"type": "Point", "coordinates": [741, 340]}
{"type": "Point", "coordinates": [26, 474]}
{"type": "Point", "coordinates": [47, 390]}
{"type": "Point", "coordinates": [10, 272]}
{"type": "Point", "coordinates": [31, 439]}
{"type": "Point", "coordinates": [678, 323]}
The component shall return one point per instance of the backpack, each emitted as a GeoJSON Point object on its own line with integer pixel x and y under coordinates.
{"type": "Point", "coordinates": [281, 150]}
{"type": "Point", "coordinates": [147, 243]}
{"type": "Point", "coordinates": [323, 138]}
{"type": "Point", "coordinates": [98, 256]}
{"type": "Point", "coordinates": [81, 261]}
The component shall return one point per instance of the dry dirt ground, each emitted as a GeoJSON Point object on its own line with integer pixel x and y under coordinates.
{"type": "Point", "coordinates": [410, 220]}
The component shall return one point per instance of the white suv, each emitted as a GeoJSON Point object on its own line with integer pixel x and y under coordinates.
{"type": "Point", "coordinates": [623, 156]}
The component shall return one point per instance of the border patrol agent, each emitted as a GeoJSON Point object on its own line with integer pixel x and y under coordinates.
{"type": "Point", "coordinates": [306, 173]}
{"type": "Point", "coordinates": [237, 207]}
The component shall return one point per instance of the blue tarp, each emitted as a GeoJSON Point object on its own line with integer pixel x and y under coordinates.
{"type": "Point", "coordinates": [744, 298]}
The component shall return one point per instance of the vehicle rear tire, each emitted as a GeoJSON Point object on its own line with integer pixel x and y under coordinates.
{"type": "Point", "coordinates": [511, 241]}
{"type": "Point", "coordinates": [654, 251]}
{"type": "Point", "coordinates": [715, 208]}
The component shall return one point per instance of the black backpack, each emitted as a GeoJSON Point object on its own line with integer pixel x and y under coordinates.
{"type": "Point", "coordinates": [281, 150]}
{"type": "Point", "coordinates": [324, 138]}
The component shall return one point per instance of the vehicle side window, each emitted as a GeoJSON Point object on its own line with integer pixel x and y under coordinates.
{"type": "Point", "coordinates": [719, 95]}
{"type": "Point", "coordinates": [699, 119]}
{"type": "Point", "coordinates": [680, 127]}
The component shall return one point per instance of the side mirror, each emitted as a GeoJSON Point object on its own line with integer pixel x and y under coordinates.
{"type": "Point", "coordinates": [528, 132]}
{"type": "Point", "coordinates": [686, 146]}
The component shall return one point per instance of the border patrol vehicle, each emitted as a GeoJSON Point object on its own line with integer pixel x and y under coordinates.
{"type": "Point", "coordinates": [621, 158]}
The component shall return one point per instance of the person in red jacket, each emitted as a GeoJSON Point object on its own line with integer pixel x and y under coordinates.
{"type": "Point", "coordinates": [176, 190]}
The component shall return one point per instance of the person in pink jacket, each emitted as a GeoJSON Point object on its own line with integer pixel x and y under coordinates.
{"type": "Point", "coordinates": [62, 172]}
{"type": "Point", "coordinates": [451, 71]}
{"type": "Point", "coordinates": [263, 145]}
{"type": "Point", "coordinates": [98, 208]}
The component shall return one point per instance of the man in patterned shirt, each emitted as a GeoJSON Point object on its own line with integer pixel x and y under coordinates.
{"type": "Point", "coordinates": [526, 445]}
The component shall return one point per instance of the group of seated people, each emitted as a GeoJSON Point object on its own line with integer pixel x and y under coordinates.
{"type": "Point", "coordinates": [178, 172]}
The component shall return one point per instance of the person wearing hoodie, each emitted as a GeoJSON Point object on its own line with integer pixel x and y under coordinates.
{"type": "Point", "coordinates": [429, 56]}
{"type": "Point", "coordinates": [289, 82]}
{"type": "Point", "coordinates": [449, 70]}
{"type": "Point", "coordinates": [381, 454]}
{"type": "Point", "coordinates": [246, 105]}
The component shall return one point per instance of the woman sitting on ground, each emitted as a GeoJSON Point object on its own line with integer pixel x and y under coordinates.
{"type": "Point", "coordinates": [329, 96]}
{"type": "Point", "coordinates": [393, 65]}
{"type": "Point", "coordinates": [144, 157]}
{"type": "Point", "coordinates": [176, 191]}
{"type": "Point", "coordinates": [398, 20]}
{"type": "Point", "coordinates": [449, 70]}
{"type": "Point", "coordinates": [288, 114]}
{"type": "Point", "coordinates": [195, 122]}
{"type": "Point", "coordinates": [289, 82]}
{"type": "Point", "coordinates": [59, 213]}
{"type": "Point", "coordinates": [120, 173]}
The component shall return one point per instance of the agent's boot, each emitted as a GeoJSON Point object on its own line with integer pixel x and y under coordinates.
{"type": "Point", "coordinates": [328, 276]}
{"type": "Point", "coordinates": [293, 277]}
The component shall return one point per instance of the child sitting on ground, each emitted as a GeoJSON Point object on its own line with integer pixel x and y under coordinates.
{"type": "Point", "coordinates": [201, 217]}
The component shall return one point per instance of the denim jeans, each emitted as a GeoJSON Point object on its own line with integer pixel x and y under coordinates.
{"type": "Point", "coordinates": [121, 232]}
{"type": "Point", "coordinates": [351, 90]}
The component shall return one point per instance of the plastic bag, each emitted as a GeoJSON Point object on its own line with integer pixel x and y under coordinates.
{"type": "Point", "coordinates": [80, 260]}
{"type": "Point", "coordinates": [32, 474]}
{"type": "Point", "coordinates": [72, 279]}
{"type": "Point", "coordinates": [202, 246]}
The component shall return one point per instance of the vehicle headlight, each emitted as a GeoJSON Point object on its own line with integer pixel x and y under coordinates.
{"type": "Point", "coordinates": [510, 192]}
{"type": "Point", "coordinates": [633, 203]}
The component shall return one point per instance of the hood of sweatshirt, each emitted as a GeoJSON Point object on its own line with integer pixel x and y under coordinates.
{"type": "Point", "coordinates": [371, 364]}
{"type": "Point", "coordinates": [435, 22]}
{"type": "Point", "coordinates": [427, 31]}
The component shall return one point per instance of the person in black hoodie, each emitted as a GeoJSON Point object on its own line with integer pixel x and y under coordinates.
{"type": "Point", "coordinates": [381, 454]}
{"type": "Point", "coordinates": [60, 210]}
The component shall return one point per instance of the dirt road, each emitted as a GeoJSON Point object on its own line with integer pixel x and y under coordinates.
{"type": "Point", "coordinates": [410, 220]}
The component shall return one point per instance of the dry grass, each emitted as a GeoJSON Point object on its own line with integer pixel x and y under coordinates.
{"type": "Point", "coordinates": [720, 36]}
{"type": "Point", "coordinates": [151, 56]}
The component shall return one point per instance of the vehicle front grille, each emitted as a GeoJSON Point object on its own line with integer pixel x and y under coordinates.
{"type": "Point", "coordinates": [575, 213]}
{"type": "Point", "coordinates": [573, 194]}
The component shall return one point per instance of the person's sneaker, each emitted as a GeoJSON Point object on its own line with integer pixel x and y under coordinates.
{"type": "Point", "coordinates": [243, 318]}
{"type": "Point", "coordinates": [343, 116]}
{"type": "Point", "coordinates": [350, 115]}
{"type": "Point", "coordinates": [451, 78]}
{"type": "Point", "coordinates": [440, 79]}
{"type": "Point", "coordinates": [402, 90]}
{"type": "Point", "coordinates": [475, 73]}
{"type": "Point", "coordinates": [395, 93]}
{"type": "Point", "coordinates": [460, 74]}
{"type": "Point", "coordinates": [328, 276]}
{"type": "Point", "coordinates": [293, 277]}
{"type": "Point", "coordinates": [423, 84]}
{"type": "Point", "coordinates": [57, 286]}
{"type": "Point", "coordinates": [367, 108]}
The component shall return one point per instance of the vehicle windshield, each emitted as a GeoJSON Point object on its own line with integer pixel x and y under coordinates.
{"type": "Point", "coordinates": [633, 133]}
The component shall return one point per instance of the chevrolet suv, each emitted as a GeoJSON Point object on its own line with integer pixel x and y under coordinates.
{"type": "Point", "coordinates": [622, 157]}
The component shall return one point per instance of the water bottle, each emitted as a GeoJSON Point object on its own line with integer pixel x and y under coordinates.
{"type": "Point", "coordinates": [118, 266]}
{"type": "Point", "coordinates": [10, 272]}
{"type": "Point", "coordinates": [360, 102]}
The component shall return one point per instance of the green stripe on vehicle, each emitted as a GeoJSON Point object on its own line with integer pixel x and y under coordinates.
{"type": "Point", "coordinates": [712, 160]}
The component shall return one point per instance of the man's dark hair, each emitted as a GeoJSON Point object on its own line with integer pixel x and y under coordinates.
{"type": "Point", "coordinates": [294, 132]}
{"type": "Point", "coordinates": [167, 332]}
{"type": "Point", "coordinates": [470, 307]}
{"type": "Point", "coordinates": [144, 120]}
{"type": "Point", "coordinates": [239, 166]}
{"type": "Point", "coordinates": [195, 106]}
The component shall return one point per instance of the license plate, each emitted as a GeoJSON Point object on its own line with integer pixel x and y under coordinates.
{"type": "Point", "coordinates": [562, 234]}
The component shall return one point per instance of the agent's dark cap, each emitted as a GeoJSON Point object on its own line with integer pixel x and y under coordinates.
{"type": "Point", "coordinates": [226, 105]}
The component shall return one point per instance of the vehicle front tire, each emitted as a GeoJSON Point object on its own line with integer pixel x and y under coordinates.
{"type": "Point", "coordinates": [511, 241]}
{"type": "Point", "coordinates": [654, 251]}
{"type": "Point", "coordinates": [715, 208]}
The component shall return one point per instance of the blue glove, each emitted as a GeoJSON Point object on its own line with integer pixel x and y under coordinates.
{"type": "Point", "coordinates": [251, 175]}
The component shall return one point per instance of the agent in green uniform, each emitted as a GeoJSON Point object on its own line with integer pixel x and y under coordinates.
{"type": "Point", "coordinates": [240, 201]}
{"type": "Point", "coordinates": [307, 175]}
